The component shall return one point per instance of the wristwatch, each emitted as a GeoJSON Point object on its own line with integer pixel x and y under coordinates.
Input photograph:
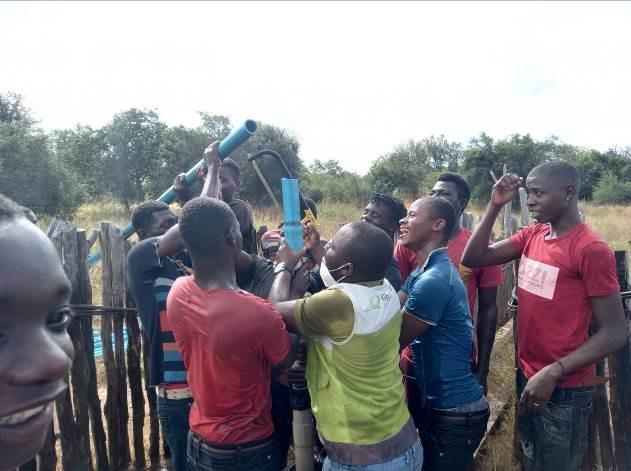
{"type": "Point", "coordinates": [282, 266]}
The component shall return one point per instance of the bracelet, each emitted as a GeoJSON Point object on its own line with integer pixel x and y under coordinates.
{"type": "Point", "coordinates": [563, 372]}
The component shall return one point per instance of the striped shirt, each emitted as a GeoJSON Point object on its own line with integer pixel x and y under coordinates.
{"type": "Point", "coordinates": [150, 278]}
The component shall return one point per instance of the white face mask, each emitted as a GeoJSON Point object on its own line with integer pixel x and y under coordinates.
{"type": "Point", "coordinates": [326, 276]}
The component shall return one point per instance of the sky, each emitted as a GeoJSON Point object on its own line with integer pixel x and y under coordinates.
{"type": "Point", "coordinates": [350, 80]}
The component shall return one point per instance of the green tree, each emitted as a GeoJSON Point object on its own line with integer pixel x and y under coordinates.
{"type": "Point", "coordinates": [182, 147]}
{"type": "Point", "coordinates": [215, 125]}
{"type": "Point", "coordinates": [405, 171]}
{"type": "Point", "coordinates": [13, 110]}
{"type": "Point", "coordinates": [267, 137]}
{"type": "Point", "coordinates": [29, 172]}
{"type": "Point", "coordinates": [593, 165]}
{"type": "Point", "coordinates": [443, 155]}
{"type": "Point", "coordinates": [133, 150]}
{"type": "Point", "coordinates": [329, 181]}
{"type": "Point", "coordinates": [84, 150]}
{"type": "Point", "coordinates": [401, 171]}
{"type": "Point", "coordinates": [520, 153]}
{"type": "Point", "coordinates": [612, 190]}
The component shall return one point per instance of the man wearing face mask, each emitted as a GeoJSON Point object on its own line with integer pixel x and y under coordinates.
{"type": "Point", "coordinates": [353, 376]}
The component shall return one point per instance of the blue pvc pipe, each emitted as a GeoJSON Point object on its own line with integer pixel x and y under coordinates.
{"type": "Point", "coordinates": [228, 145]}
{"type": "Point", "coordinates": [291, 213]}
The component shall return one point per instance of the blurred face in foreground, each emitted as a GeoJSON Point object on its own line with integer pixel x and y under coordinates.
{"type": "Point", "coordinates": [35, 348]}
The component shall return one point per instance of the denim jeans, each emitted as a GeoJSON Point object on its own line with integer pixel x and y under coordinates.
{"type": "Point", "coordinates": [233, 457]}
{"type": "Point", "coordinates": [173, 414]}
{"type": "Point", "coordinates": [555, 438]}
{"type": "Point", "coordinates": [450, 441]}
{"type": "Point", "coordinates": [410, 460]}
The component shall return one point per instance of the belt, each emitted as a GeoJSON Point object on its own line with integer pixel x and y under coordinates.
{"type": "Point", "coordinates": [196, 441]}
{"type": "Point", "coordinates": [459, 416]}
{"type": "Point", "coordinates": [184, 393]}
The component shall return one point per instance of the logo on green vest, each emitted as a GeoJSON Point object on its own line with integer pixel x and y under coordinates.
{"type": "Point", "coordinates": [375, 302]}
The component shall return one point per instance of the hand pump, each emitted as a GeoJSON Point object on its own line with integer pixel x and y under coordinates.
{"type": "Point", "coordinates": [299, 398]}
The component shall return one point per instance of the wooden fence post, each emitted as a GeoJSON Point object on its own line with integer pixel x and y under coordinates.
{"type": "Point", "coordinates": [70, 241]}
{"type": "Point", "coordinates": [600, 451]}
{"type": "Point", "coordinates": [467, 220]}
{"type": "Point", "coordinates": [113, 285]}
{"type": "Point", "coordinates": [119, 288]}
{"type": "Point", "coordinates": [620, 386]}
{"type": "Point", "coordinates": [70, 454]}
{"type": "Point", "coordinates": [92, 395]}
{"type": "Point", "coordinates": [523, 204]}
{"type": "Point", "coordinates": [135, 379]}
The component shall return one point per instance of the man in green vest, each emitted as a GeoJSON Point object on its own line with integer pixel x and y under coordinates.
{"type": "Point", "coordinates": [353, 370]}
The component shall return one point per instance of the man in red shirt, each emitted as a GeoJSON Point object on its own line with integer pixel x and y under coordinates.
{"type": "Point", "coordinates": [481, 283]}
{"type": "Point", "coordinates": [567, 275]}
{"type": "Point", "coordinates": [229, 340]}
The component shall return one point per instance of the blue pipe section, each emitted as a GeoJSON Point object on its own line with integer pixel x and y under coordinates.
{"type": "Point", "coordinates": [98, 343]}
{"type": "Point", "coordinates": [291, 213]}
{"type": "Point", "coordinates": [228, 145]}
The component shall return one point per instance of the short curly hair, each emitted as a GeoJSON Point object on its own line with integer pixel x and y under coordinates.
{"type": "Point", "coordinates": [462, 187]}
{"type": "Point", "coordinates": [395, 205]}
{"type": "Point", "coordinates": [142, 217]}
{"type": "Point", "coordinates": [442, 209]}
{"type": "Point", "coordinates": [203, 223]}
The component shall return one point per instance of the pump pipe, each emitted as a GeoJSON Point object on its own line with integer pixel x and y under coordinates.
{"type": "Point", "coordinates": [299, 398]}
{"type": "Point", "coordinates": [228, 145]}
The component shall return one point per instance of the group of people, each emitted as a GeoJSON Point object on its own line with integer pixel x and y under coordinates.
{"type": "Point", "coordinates": [397, 312]}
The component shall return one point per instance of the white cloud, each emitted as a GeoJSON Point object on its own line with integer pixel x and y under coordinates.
{"type": "Point", "coordinates": [351, 80]}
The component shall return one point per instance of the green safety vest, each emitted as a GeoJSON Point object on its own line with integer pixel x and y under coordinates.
{"type": "Point", "coordinates": [356, 386]}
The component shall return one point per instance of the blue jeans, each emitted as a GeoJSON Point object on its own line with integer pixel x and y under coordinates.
{"type": "Point", "coordinates": [410, 460]}
{"type": "Point", "coordinates": [555, 438]}
{"type": "Point", "coordinates": [173, 414]}
{"type": "Point", "coordinates": [260, 455]}
{"type": "Point", "coordinates": [450, 439]}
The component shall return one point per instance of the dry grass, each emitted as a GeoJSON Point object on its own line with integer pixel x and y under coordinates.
{"type": "Point", "coordinates": [611, 222]}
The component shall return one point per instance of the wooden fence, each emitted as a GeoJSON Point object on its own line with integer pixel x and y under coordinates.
{"type": "Point", "coordinates": [101, 421]}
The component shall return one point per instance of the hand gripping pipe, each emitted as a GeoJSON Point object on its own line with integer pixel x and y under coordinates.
{"type": "Point", "coordinates": [299, 398]}
{"type": "Point", "coordinates": [233, 140]}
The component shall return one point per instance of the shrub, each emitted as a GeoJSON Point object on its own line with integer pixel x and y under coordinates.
{"type": "Point", "coordinates": [612, 190]}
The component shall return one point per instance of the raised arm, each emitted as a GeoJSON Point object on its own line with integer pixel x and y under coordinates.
{"type": "Point", "coordinates": [478, 253]}
{"type": "Point", "coordinates": [212, 186]}
{"type": "Point", "coordinates": [171, 242]}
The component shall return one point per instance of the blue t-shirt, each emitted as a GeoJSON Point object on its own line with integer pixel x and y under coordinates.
{"type": "Point", "coordinates": [442, 355]}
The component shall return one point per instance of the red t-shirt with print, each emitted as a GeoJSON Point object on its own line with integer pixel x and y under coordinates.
{"type": "Point", "coordinates": [229, 341]}
{"type": "Point", "coordinates": [556, 279]}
